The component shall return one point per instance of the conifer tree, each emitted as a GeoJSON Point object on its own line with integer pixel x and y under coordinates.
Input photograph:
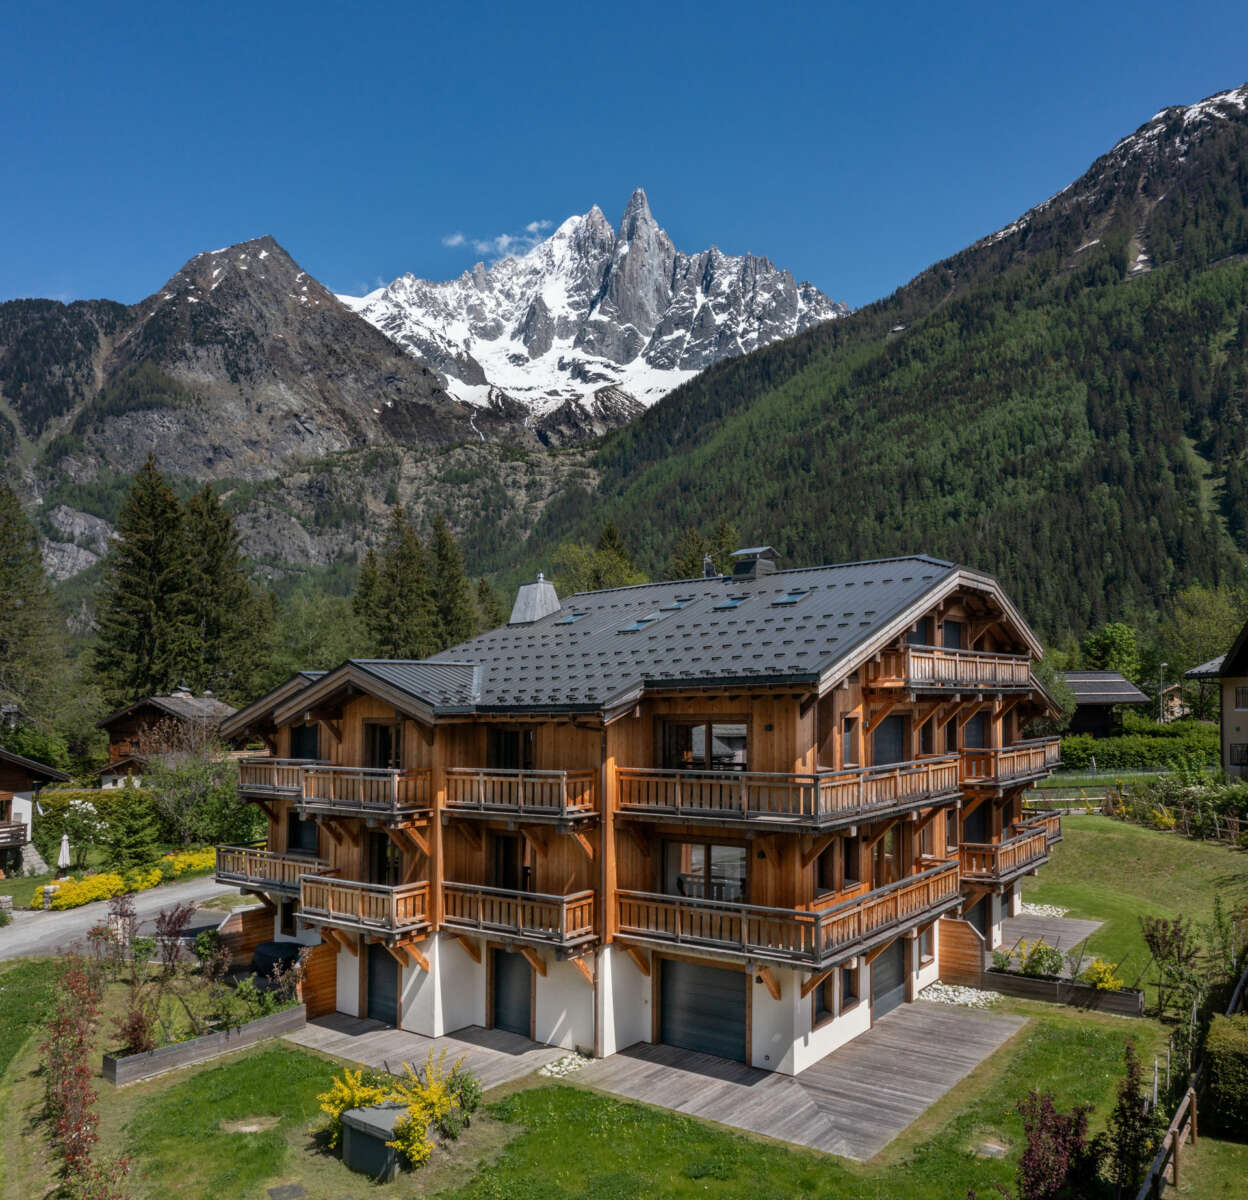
{"type": "Point", "coordinates": [131, 835]}
{"type": "Point", "coordinates": [691, 548]}
{"type": "Point", "coordinates": [31, 638]}
{"type": "Point", "coordinates": [395, 602]}
{"type": "Point", "coordinates": [145, 616]}
{"type": "Point", "coordinates": [490, 610]}
{"type": "Point", "coordinates": [457, 618]}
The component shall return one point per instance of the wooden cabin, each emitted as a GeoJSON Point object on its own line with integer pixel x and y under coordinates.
{"type": "Point", "coordinates": [737, 814]}
{"type": "Point", "coordinates": [20, 781]}
{"type": "Point", "coordinates": [127, 726]}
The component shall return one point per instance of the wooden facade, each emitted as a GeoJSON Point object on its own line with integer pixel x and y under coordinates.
{"type": "Point", "coordinates": [804, 839]}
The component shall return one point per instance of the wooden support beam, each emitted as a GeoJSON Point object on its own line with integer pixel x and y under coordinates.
{"type": "Point", "coordinates": [535, 960]}
{"type": "Point", "coordinates": [587, 847]}
{"type": "Point", "coordinates": [268, 810]}
{"type": "Point", "coordinates": [975, 895]}
{"type": "Point", "coordinates": [770, 982]}
{"type": "Point", "coordinates": [875, 721]}
{"type": "Point", "coordinates": [334, 727]}
{"type": "Point", "coordinates": [472, 833]}
{"type": "Point", "coordinates": [261, 897]}
{"type": "Point", "coordinates": [331, 828]}
{"type": "Point", "coordinates": [416, 836]}
{"type": "Point", "coordinates": [415, 954]}
{"type": "Point", "coordinates": [640, 959]}
{"type": "Point", "coordinates": [809, 985]}
{"type": "Point", "coordinates": [808, 703]}
{"type": "Point", "coordinates": [968, 712]}
{"type": "Point", "coordinates": [536, 840]}
{"type": "Point", "coordinates": [397, 838]}
{"type": "Point", "coordinates": [579, 964]}
{"type": "Point", "coordinates": [872, 955]}
{"type": "Point", "coordinates": [397, 954]}
{"type": "Point", "coordinates": [817, 847]}
{"type": "Point", "coordinates": [969, 806]}
{"type": "Point", "coordinates": [427, 732]}
{"type": "Point", "coordinates": [642, 845]}
{"type": "Point", "coordinates": [470, 947]}
{"type": "Point", "coordinates": [869, 840]}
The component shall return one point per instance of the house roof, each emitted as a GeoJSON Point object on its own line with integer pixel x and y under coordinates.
{"type": "Point", "coordinates": [262, 709]}
{"type": "Point", "coordinates": [36, 769]}
{"type": "Point", "coordinates": [600, 650]}
{"type": "Point", "coordinates": [1102, 687]}
{"type": "Point", "coordinates": [181, 705]}
{"type": "Point", "coordinates": [1207, 670]}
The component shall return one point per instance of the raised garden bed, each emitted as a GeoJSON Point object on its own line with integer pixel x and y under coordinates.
{"type": "Point", "coordinates": [121, 1069]}
{"type": "Point", "coordinates": [1123, 1002]}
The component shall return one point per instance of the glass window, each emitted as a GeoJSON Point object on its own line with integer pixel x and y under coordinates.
{"type": "Point", "coordinates": [884, 864]}
{"type": "Point", "coordinates": [571, 618]}
{"type": "Point", "coordinates": [1239, 754]}
{"type": "Point", "coordinates": [302, 836]}
{"type": "Point", "coordinates": [927, 737]}
{"type": "Point", "coordinates": [823, 1001]}
{"type": "Point", "coordinates": [706, 872]}
{"type": "Point", "coordinates": [825, 870]}
{"type": "Point", "coordinates": [792, 597]}
{"type": "Point", "coordinates": [849, 742]}
{"type": "Point", "coordinates": [382, 744]}
{"type": "Point", "coordinates": [849, 987]}
{"type": "Point", "coordinates": [951, 828]}
{"type": "Point", "coordinates": [927, 945]}
{"type": "Point", "coordinates": [921, 634]}
{"type": "Point", "coordinates": [305, 741]}
{"type": "Point", "coordinates": [952, 635]}
{"type": "Point", "coordinates": [975, 732]}
{"type": "Point", "coordinates": [1241, 697]}
{"type": "Point", "coordinates": [951, 735]}
{"type": "Point", "coordinates": [287, 925]}
{"type": "Point", "coordinates": [641, 623]}
{"type": "Point", "coordinates": [730, 602]}
{"type": "Point", "coordinates": [850, 855]}
{"type": "Point", "coordinates": [705, 746]}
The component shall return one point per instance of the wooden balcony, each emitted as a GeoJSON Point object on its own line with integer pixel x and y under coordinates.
{"type": "Point", "coordinates": [563, 921]}
{"type": "Point", "coordinates": [818, 801]}
{"type": "Point", "coordinates": [1004, 765]}
{"type": "Point", "coordinates": [366, 907]}
{"type": "Point", "coordinates": [389, 794]}
{"type": "Point", "coordinates": [794, 937]}
{"type": "Point", "coordinates": [265, 869]}
{"type": "Point", "coordinates": [12, 833]}
{"type": "Point", "coordinates": [531, 795]}
{"type": "Point", "coordinates": [272, 777]}
{"type": "Point", "coordinates": [1002, 862]}
{"type": "Point", "coordinates": [932, 669]}
{"type": "Point", "coordinates": [1050, 821]}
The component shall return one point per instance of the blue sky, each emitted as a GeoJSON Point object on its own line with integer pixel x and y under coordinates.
{"type": "Point", "coordinates": [853, 143]}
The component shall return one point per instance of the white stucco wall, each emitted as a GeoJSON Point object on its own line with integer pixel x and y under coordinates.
{"type": "Point", "coordinates": [563, 1006]}
{"type": "Point", "coordinates": [810, 1044]}
{"type": "Point", "coordinates": [994, 929]}
{"type": "Point", "coordinates": [23, 807]}
{"type": "Point", "coordinates": [449, 996]}
{"type": "Point", "coordinates": [623, 998]}
{"type": "Point", "coordinates": [348, 984]}
{"type": "Point", "coordinates": [929, 974]}
{"type": "Point", "coordinates": [305, 935]}
{"type": "Point", "coordinates": [1016, 898]}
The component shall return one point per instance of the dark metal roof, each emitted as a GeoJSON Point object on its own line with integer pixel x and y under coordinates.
{"type": "Point", "coordinates": [258, 710]}
{"type": "Point", "coordinates": [789, 626]}
{"type": "Point", "coordinates": [1103, 687]}
{"type": "Point", "coordinates": [182, 705]}
{"type": "Point", "coordinates": [1207, 670]}
{"type": "Point", "coordinates": [37, 769]}
{"type": "Point", "coordinates": [440, 683]}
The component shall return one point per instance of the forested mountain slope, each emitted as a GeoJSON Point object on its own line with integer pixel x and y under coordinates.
{"type": "Point", "coordinates": [1062, 403]}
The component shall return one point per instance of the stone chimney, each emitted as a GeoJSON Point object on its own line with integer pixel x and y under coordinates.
{"type": "Point", "coordinates": [534, 601]}
{"type": "Point", "coordinates": [753, 562]}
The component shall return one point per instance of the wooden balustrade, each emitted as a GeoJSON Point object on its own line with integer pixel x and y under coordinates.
{"type": "Point", "coordinates": [1050, 820]}
{"type": "Point", "coordinates": [998, 861]}
{"type": "Point", "coordinates": [796, 936]}
{"type": "Point", "coordinates": [785, 799]}
{"type": "Point", "coordinates": [526, 916]}
{"type": "Point", "coordinates": [367, 791]}
{"type": "Point", "coordinates": [272, 776]}
{"type": "Point", "coordinates": [366, 906]}
{"type": "Point", "coordinates": [563, 794]}
{"type": "Point", "coordinates": [1001, 764]}
{"type": "Point", "coordinates": [13, 833]}
{"type": "Point", "coordinates": [931, 667]}
{"type": "Point", "coordinates": [265, 868]}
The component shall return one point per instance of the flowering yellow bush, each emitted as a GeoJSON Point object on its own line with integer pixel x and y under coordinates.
{"type": "Point", "coordinates": [83, 889]}
{"type": "Point", "coordinates": [177, 864]}
{"type": "Point", "coordinates": [1100, 974]}
{"type": "Point", "coordinates": [348, 1091]}
{"type": "Point", "coordinates": [1162, 819]}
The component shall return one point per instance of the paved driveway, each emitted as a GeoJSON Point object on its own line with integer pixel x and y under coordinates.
{"type": "Point", "coordinates": [55, 932]}
{"type": "Point", "coordinates": [851, 1103]}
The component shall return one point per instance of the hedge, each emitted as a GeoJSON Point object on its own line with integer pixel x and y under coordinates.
{"type": "Point", "coordinates": [1139, 751]}
{"type": "Point", "coordinates": [1226, 1061]}
{"type": "Point", "coordinates": [49, 824]}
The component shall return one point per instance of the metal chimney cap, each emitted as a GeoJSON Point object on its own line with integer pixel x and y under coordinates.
{"type": "Point", "coordinates": [755, 552]}
{"type": "Point", "coordinates": [534, 601]}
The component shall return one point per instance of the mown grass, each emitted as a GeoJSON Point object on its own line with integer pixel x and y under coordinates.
{"type": "Point", "coordinates": [1212, 1169]}
{"type": "Point", "coordinates": [1116, 872]}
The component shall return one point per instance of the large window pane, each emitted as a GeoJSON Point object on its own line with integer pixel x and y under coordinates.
{"type": "Point", "coordinates": [728, 747]}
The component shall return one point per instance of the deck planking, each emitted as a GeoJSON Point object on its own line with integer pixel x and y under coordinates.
{"type": "Point", "coordinates": [493, 1055]}
{"type": "Point", "coordinates": [1065, 933]}
{"type": "Point", "coordinates": [851, 1103]}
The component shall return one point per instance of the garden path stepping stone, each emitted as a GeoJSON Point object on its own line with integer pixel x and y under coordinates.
{"type": "Point", "coordinates": [288, 1191]}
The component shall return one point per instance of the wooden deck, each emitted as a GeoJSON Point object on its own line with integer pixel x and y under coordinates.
{"type": "Point", "coordinates": [493, 1055]}
{"type": "Point", "coordinates": [851, 1103]}
{"type": "Point", "coordinates": [1063, 932]}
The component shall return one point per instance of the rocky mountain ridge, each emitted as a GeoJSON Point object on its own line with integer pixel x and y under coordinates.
{"type": "Point", "coordinates": [593, 324]}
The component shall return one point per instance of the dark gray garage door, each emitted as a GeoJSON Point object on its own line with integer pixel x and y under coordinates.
{"type": "Point", "coordinates": [383, 985]}
{"type": "Point", "coordinates": [888, 979]}
{"type": "Point", "coordinates": [977, 915]}
{"type": "Point", "coordinates": [512, 992]}
{"type": "Point", "coordinates": [702, 1008]}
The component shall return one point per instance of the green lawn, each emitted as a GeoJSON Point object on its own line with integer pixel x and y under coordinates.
{"type": "Point", "coordinates": [1212, 1169]}
{"type": "Point", "coordinates": [1116, 872]}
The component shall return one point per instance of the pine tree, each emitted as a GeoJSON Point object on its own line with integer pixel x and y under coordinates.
{"type": "Point", "coordinates": [394, 599]}
{"type": "Point", "coordinates": [691, 549]}
{"type": "Point", "coordinates": [131, 837]}
{"type": "Point", "coordinates": [145, 617]}
{"type": "Point", "coordinates": [490, 610]}
{"type": "Point", "coordinates": [31, 636]}
{"type": "Point", "coordinates": [610, 541]}
{"type": "Point", "coordinates": [232, 620]}
{"type": "Point", "coordinates": [457, 618]}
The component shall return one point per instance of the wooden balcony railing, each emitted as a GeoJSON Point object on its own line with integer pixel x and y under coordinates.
{"type": "Point", "coordinates": [272, 776]}
{"type": "Point", "coordinates": [1003, 860]}
{"type": "Point", "coordinates": [371, 907]}
{"type": "Point", "coordinates": [543, 794]}
{"type": "Point", "coordinates": [1001, 764]}
{"type": "Point", "coordinates": [930, 667]}
{"type": "Point", "coordinates": [1050, 821]}
{"type": "Point", "coordinates": [526, 916]}
{"type": "Point", "coordinates": [265, 868]}
{"type": "Point", "coordinates": [12, 833]}
{"type": "Point", "coordinates": [816, 799]}
{"type": "Point", "coordinates": [367, 791]}
{"type": "Point", "coordinates": [794, 936]}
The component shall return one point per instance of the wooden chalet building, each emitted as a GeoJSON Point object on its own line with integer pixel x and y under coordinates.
{"type": "Point", "coordinates": [125, 729]}
{"type": "Point", "coordinates": [20, 781]}
{"type": "Point", "coordinates": [741, 814]}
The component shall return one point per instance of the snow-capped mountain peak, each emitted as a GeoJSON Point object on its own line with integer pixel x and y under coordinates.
{"type": "Point", "coordinates": [596, 320]}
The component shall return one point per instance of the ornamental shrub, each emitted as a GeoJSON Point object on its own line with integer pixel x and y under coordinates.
{"type": "Point", "coordinates": [73, 892]}
{"type": "Point", "coordinates": [1142, 751]}
{"type": "Point", "coordinates": [1039, 958]}
{"type": "Point", "coordinates": [1100, 974]}
{"type": "Point", "coordinates": [1226, 1061]}
{"type": "Point", "coordinates": [349, 1090]}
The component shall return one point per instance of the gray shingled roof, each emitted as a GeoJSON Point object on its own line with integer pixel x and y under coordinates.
{"type": "Point", "coordinates": [600, 646]}
{"type": "Point", "coordinates": [182, 704]}
{"type": "Point", "coordinates": [1103, 687]}
{"type": "Point", "coordinates": [1207, 670]}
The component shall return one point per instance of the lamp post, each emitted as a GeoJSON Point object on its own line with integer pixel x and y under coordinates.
{"type": "Point", "coordinates": [1161, 676]}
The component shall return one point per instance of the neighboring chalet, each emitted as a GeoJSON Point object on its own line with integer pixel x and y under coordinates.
{"type": "Point", "coordinates": [126, 727]}
{"type": "Point", "coordinates": [20, 780]}
{"type": "Point", "coordinates": [1230, 673]}
{"type": "Point", "coordinates": [744, 814]}
{"type": "Point", "coordinates": [1098, 695]}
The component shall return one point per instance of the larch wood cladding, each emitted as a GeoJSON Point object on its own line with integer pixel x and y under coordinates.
{"type": "Point", "coordinates": [243, 930]}
{"type": "Point", "coordinates": [319, 987]}
{"type": "Point", "coordinates": [961, 952]}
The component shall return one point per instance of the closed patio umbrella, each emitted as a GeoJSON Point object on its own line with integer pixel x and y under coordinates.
{"type": "Point", "coordinates": [63, 860]}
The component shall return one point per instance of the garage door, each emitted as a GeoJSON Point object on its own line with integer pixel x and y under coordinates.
{"type": "Point", "coordinates": [977, 915]}
{"type": "Point", "coordinates": [888, 979]}
{"type": "Point", "coordinates": [512, 992]}
{"type": "Point", "coordinates": [383, 985]}
{"type": "Point", "coordinates": [702, 1008]}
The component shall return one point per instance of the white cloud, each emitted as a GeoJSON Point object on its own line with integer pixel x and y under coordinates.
{"type": "Point", "coordinates": [500, 245]}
